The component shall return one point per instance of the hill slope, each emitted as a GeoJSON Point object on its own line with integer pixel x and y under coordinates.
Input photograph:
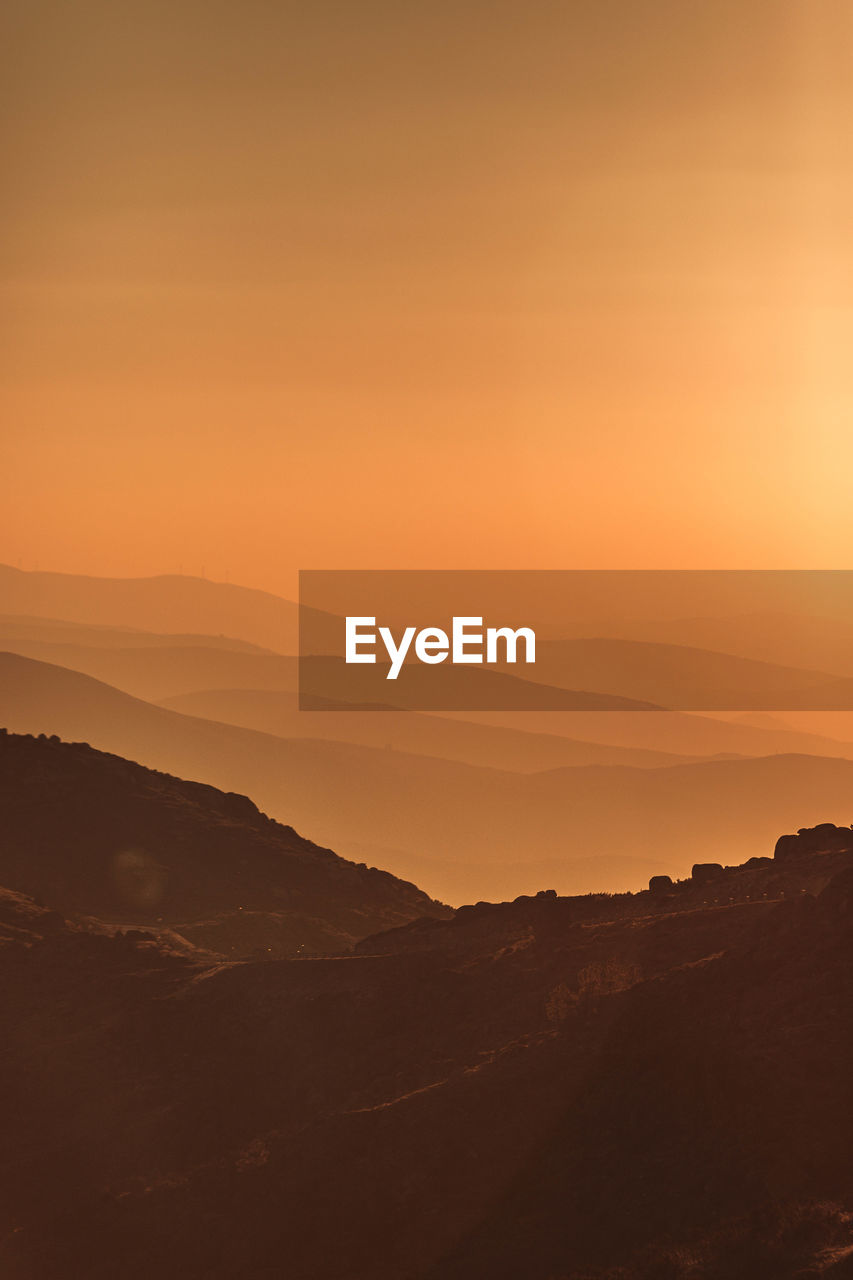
{"type": "Point", "coordinates": [461, 831]}
{"type": "Point", "coordinates": [680, 676]}
{"type": "Point", "coordinates": [206, 675]}
{"type": "Point", "coordinates": [94, 834]}
{"type": "Point", "coordinates": [416, 733]}
{"type": "Point", "coordinates": [167, 603]}
{"type": "Point", "coordinates": [627, 1087]}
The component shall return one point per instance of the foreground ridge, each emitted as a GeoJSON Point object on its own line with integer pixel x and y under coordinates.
{"type": "Point", "coordinates": [628, 1087]}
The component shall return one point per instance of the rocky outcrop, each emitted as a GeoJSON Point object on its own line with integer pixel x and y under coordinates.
{"type": "Point", "coordinates": [825, 837]}
{"type": "Point", "coordinates": [705, 872]}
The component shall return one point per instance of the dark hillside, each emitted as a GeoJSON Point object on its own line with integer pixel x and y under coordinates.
{"type": "Point", "coordinates": [94, 834]}
{"type": "Point", "coordinates": [642, 1087]}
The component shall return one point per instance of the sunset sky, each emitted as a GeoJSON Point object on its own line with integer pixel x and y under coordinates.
{"type": "Point", "coordinates": [453, 285]}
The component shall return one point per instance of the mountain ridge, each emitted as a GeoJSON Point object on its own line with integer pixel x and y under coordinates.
{"type": "Point", "coordinates": [95, 834]}
{"type": "Point", "coordinates": [581, 1090]}
{"type": "Point", "coordinates": [348, 797]}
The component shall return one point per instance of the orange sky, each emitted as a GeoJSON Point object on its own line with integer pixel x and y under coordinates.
{"type": "Point", "coordinates": [541, 284]}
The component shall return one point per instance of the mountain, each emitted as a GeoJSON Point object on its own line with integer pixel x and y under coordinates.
{"type": "Point", "coordinates": [374, 799]}
{"type": "Point", "coordinates": [682, 733]}
{"type": "Point", "coordinates": [158, 671]}
{"type": "Point", "coordinates": [167, 603]}
{"type": "Point", "coordinates": [633, 1087]}
{"type": "Point", "coordinates": [410, 731]}
{"type": "Point", "coordinates": [761, 659]}
{"type": "Point", "coordinates": [798, 639]}
{"type": "Point", "coordinates": [330, 683]}
{"type": "Point", "coordinates": [461, 831]}
{"type": "Point", "coordinates": [676, 676]}
{"type": "Point", "coordinates": [217, 677]}
{"type": "Point", "coordinates": [24, 629]}
{"type": "Point", "coordinates": [500, 746]}
{"type": "Point", "coordinates": [706, 1121]}
{"type": "Point", "coordinates": [97, 835]}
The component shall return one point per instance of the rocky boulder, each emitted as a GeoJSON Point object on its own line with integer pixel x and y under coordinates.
{"type": "Point", "coordinates": [824, 837]}
{"type": "Point", "coordinates": [705, 872]}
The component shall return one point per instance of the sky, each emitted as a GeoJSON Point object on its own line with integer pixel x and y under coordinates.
{"type": "Point", "coordinates": [540, 285]}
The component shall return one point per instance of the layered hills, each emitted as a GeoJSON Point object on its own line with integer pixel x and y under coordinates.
{"type": "Point", "coordinates": [168, 602]}
{"type": "Point", "coordinates": [620, 1087]}
{"type": "Point", "coordinates": [461, 831]}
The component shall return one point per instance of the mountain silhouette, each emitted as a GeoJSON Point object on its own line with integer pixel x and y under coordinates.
{"type": "Point", "coordinates": [458, 830]}
{"type": "Point", "coordinates": [715, 663]}
{"type": "Point", "coordinates": [681, 676]}
{"type": "Point", "coordinates": [25, 630]}
{"type": "Point", "coordinates": [97, 835]}
{"type": "Point", "coordinates": [204, 675]}
{"type": "Point", "coordinates": [498, 747]}
{"type": "Point", "coordinates": [166, 603]}
{"type": "Point", "coordinates": [799, 639]}
{"type": "Point", "coordinates": [638, 1086]}
{"type": "Point", "coordinates": [161, 670]}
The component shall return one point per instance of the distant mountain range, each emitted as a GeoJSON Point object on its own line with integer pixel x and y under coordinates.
{"type": "Point", "coordinates": [167, 603]}
{"type": "Point", "coordinates": [681, 676]}
{"type": "Point", "coordinates": [462, 831]}
{"type": "Point", "coordinates": [167, 667]}
{"type": "Point", "coordinates": [722, 662]}
{"type": "Point", "coordinates": [472, 806]}
{"type": "Point", "coordinates": [800, 639]}
{"type": "Point", "coordinates": [275, 712]}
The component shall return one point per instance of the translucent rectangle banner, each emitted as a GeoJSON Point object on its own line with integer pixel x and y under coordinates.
{"type": "Point", "coordinates": [576, 640]}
